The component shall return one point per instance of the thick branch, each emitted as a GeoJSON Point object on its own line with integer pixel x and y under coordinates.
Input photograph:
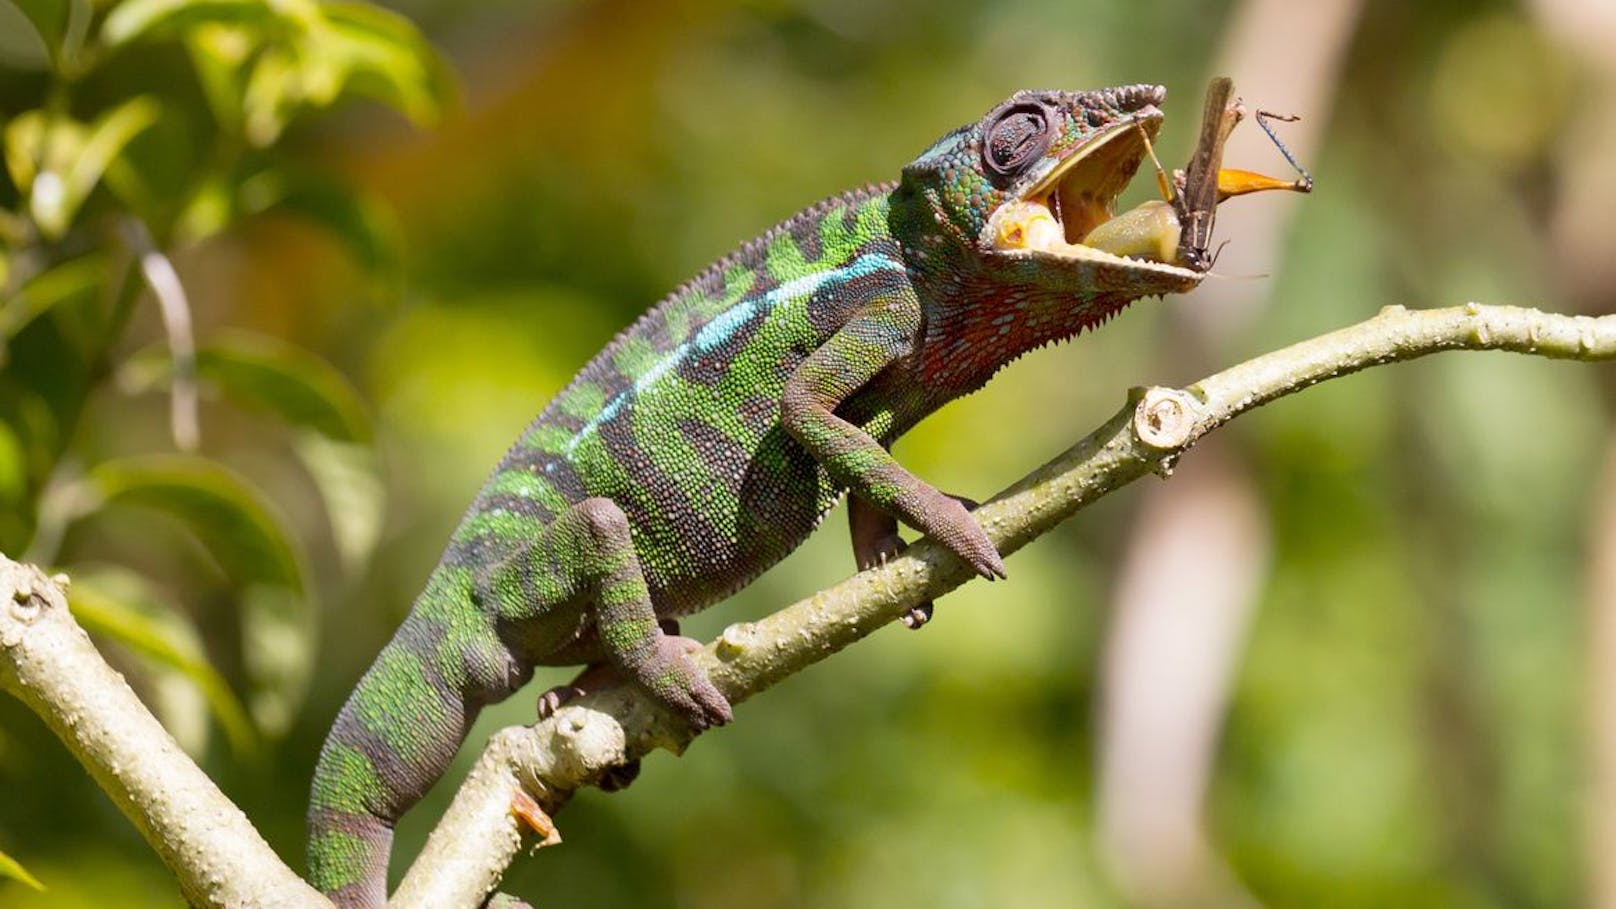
{"type": "Point", "coordinates": [480, 835]}
{"type": "Point", "coordinates": [48, 662]}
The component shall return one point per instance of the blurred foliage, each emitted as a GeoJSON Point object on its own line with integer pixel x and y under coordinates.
{"type": "Point", "coordinates": [1405, 726]}
{"type": "Point", "coordinates": [135, 133]}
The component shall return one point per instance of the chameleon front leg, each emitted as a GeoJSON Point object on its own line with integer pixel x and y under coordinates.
{"type": "Point", "coordinates": [875, 539]}
{"type": "Point", "coordinates": [591, 554]}
{"type": "Point", "coordinates": [880, 335]}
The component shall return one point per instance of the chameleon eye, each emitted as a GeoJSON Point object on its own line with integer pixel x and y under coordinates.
{"type": "Point", "coordinates": [1015, 136]}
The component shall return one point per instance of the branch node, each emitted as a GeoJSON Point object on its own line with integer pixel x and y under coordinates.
{"type": "Point", "coordinates": [587, 742]}
{"type": "Point", "coordinates": [735, 639]}
{"type": "Point", "coordinates": [1165, 418]}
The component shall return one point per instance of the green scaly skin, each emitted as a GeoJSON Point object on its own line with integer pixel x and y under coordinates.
{"type": "Point", "coordinates": [711, 437]}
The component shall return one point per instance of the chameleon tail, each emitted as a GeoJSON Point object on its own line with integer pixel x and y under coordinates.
{"type": "Point", "coordinates": [395, 737]}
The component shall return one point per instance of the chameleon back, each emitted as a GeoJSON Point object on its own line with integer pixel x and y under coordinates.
{"type": "Point", "coordinates": [678, 419]}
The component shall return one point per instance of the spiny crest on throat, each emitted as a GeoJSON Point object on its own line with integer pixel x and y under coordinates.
{"type": "Point", "coordinates": [995, 324]}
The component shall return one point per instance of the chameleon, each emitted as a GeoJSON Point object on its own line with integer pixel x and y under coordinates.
{"type": "Point", "coordinates": [707, 441]}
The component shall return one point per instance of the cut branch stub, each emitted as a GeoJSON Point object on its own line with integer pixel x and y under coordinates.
{"type": "Point", "coordinates": [1166, 418]}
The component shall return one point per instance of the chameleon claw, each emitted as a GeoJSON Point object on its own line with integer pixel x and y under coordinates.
{"type": "Point", "coordinates": [551, 701]}
{"type": "Point", "coordinates": [917, 616]}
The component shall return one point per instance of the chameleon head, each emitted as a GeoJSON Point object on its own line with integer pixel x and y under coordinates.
{"type": "Point", "coordinates": [1027, 183]}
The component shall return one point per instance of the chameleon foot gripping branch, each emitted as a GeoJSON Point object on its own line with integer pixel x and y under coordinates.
{"type": "Point", "coordinates": [710, 438]}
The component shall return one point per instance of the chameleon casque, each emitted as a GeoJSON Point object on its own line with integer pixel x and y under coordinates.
{"type": "Point", "coordinates": [711, 437]}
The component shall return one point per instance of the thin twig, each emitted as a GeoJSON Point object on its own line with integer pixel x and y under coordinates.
{"type": "Point", "coordinates": [165, 285]}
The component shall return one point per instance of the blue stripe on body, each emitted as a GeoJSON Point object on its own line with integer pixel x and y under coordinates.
{"type": "Point", "coordinates": [717, 331]}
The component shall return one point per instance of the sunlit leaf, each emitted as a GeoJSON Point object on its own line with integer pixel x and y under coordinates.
{"type": "Point", "coordinates": [220, 52]}
{"type": "Point", "coordinates": [228, 515]}
{"type": "Point", "coordinates": [349, 478]}
{"type": "Point", "coordinates": [387, 58]}
{"type": "Point", "coordinates": [11, 869]}
{"type": "Point", "coordinates": [13, 468]}
{"type": "Point", "coordinates": [56, 285]}
{"type": "Point", "coordinates": [209, 212]}
{"type": "Point", "coordinates": [139, 18]}
{"type": "Point", "coordinates": [25, 147]}
{"type": "Point", "coordinates": [120, 606]}
{"type": "Point", "coordinates": [273, 91]}
{"type": "Point", "coordinates": [57, 194]}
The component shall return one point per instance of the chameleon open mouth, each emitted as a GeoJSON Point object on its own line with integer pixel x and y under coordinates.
{"type": "Point", "coordinates": [1054, 216]}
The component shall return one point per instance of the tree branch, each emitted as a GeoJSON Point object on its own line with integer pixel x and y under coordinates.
{"type": "Point", "coordinates": [480, 835]}
{"type": "Point", "coordinates": [47, 661]}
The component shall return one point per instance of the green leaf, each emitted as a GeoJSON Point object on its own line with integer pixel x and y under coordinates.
{"type": "Point", "coordinates": [229, 516]}
{"type": "Point", "coordinates": [220, 53]}
{"type": "Point", "coordinates": [277, 645]}
{"type": "Point", "coordinates": [13, 468]}
{"type": "Point", "coordinates": [272, 94]}
{"type": "Point", "coordinates": [367, 229]}
{"type": "Point", "coordinates": [10, 868]}
{"type": "Point", "coordinates": [385, 57]}
{"type": "Point", "coordinates": [59, 26]}
{"type": "Point", "coordinates": [143, 18]}
{"type": "Point", "coordinates": [291, 382]}
{"type": "Point", "coordinates": [22, 46]}
{"type": "Point", "coordinates": [235, 522]}
{"type": "Point", "coordinates": [121, 606]}
{"type": "Point", "coordinates": [268, 375]}
{"type": "Point", "coordinates": [349, 478]}
{"type": "Point", "coordinates": [56, 285]}
{"type": "Point", "coordinates": [77, 158]}
{"type": "Point", "coordinates": [25, 147]}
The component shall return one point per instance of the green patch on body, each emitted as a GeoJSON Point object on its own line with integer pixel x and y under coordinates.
{"type": "Point", "coordinates": [526, 484]}
{"type": "Point", "coordinates": [582, 401]}
{"type": "Point", "coordinates": [784, 258]}
{"type": "Point", "coordinates": [635, 357]}
{"type": "Point", "coordinates": [840, 243]}
{"type": "Point", "coordinates": [346, 777]}
{"type": "Point", "coordinates": [503, 525]}
{"type": "Point", "coordinates": [342, 858]}
{"type": "Point", "coordinates": [547, 437]}
{"type": "Point", "coordinates": [398, 702]}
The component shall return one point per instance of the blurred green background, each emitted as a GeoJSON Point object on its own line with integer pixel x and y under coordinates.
{"type": "Point", "coordinates": [1377, 669]}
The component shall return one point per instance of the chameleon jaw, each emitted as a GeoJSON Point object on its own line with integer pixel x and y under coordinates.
{"type": "Point", "coordinates": [1051, 219]}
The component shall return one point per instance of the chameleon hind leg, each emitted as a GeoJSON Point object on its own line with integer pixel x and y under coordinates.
{"type": "Point", "coordinates": [590, 554]}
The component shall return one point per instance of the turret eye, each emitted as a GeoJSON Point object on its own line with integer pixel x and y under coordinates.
{"type": "Point", "coordinates": [1016, 135]}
